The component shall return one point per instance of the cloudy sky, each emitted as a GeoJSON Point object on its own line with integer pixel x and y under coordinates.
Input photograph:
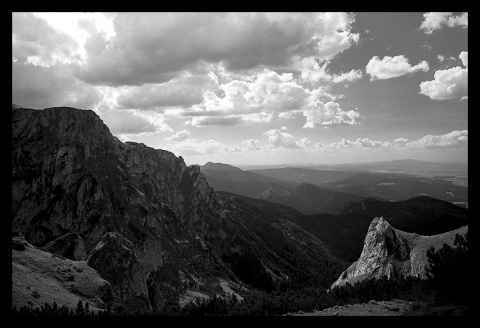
{"type": "Point", "coordinates": [256, 88]}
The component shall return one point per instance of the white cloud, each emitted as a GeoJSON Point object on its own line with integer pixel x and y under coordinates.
{"type": "Point", "coordinates": [329, 114]}
{"type": "Point", "coordinates": [179, 136]}
{"type": "Point", "coordinates": [454, 139]}
{"type": "Point", "coordinates": [306, 143]}
{"type": "Point", "coordinates": [449, 83]}
{"type": "Point", "coordinates": [349, 76]}
{"type": "Point", "coordinates": [269, 94]}
{"type": "Point", "coordinates": [358, 144]}
{"type": "Point", "coordinates": [252, 144]}
{"type": "Point", "coordinates": [313, 71]}
{"type": "Point", "coordinates": [464, 57]}
{"type": "Point", "coordinates": [390, 67]}
{"type": "Point", "coordinates": [435, 20]}
{"type": "Point", "coordinates": [279, 139]}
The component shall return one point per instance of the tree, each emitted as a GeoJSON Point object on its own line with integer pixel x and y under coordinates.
{"type": "Point", "coordinates": [448, 267]}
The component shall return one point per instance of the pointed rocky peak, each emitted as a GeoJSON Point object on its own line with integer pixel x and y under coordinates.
{"type": "Point", "coordinates": [391, 252]}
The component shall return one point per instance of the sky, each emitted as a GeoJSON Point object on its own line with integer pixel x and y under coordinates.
{"type": "Point", "coordinates": [256, 88]}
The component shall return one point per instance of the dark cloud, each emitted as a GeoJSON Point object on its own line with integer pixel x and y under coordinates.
{"type": "Point", "coordinates": [41, 87]}
{"type": "Point", "coordinates": [182, 92]}
{"type": "Point", "coordinates": [155, 47]}
{"type": "Point", "coordinates": [124, 122]}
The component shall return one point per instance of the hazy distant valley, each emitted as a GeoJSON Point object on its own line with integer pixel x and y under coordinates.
{"type": "Point", "coordinates": [344, 182]}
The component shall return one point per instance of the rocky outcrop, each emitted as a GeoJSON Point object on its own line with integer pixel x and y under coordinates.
{"type": "Point", "coordinates": [73, 183]}
{"type": "Point", "coordinates": [115, 259]}
{"type": "Point", "coordinates": [390, 252]}
{"type": "Point", "coordinates": [70, 245]}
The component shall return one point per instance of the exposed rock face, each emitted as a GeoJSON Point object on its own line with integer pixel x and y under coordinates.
{"type": "Point", "coordinates": [390, 252]}
{"type": "Point", "coordinates": [71, 176]}
{"type": "Point", "coordinates": [70, 245]}
{"type": "Point", "coordinates": [149, 224]}
{"type": "Point", "coordinates": [114, 258]}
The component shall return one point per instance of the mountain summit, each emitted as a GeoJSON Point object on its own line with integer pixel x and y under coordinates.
{"type": "Point", "coordinates": [390, 252]}
{"type": "Point", "coordinates": [142, 219]}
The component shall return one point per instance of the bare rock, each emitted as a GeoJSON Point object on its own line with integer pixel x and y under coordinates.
{"type": "Point", "coordinates": [391, 252]}
{"type": "Point", "coordinates": [115, 260]}
{"type": "Point", "coordinates": [70, 246]}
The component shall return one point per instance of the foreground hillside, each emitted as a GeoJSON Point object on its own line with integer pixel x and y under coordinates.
{"type": "Point", "coordinates": [40, 277]}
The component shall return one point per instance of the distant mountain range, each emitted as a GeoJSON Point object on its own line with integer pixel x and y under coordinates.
{"type": "Point", "coordinates": [405, 166]}
{"type": "Point", "coordinates": [309, 199]}
{"type": "Point", "coordinates": [324, 191]}
{"type": "Point", "coordinates": [305, 197]}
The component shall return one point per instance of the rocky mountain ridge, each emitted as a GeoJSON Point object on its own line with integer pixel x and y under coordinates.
{"type": "Point", "coordinates": [391, 252]}
{"type": "Point", "coordinates": [145, 221]}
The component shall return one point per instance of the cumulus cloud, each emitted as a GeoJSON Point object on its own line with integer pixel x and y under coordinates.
{"type": "Point", "coordinates": [329, 114]}
{"type": "Point", "coordinates": [449, 83]}
{"type": "Point", "coordinates": [464, 58]}
{"type": "Point", "coordinates": [267, 95]}
{"type": "Point", "coordinates": [390, 67]}
{"type": "Point", "coordinates": [252, 144]}
{"type": "Point", "coordinates": [306, 143]}
{"type": "Point", "coordinates": [314, 71]}
{"type": "Point", "coordinates": [358, 144]}
{"type": "Point", "coordinates": [454, 139]}
{"type": "Point", "coordinates": [179, 136]}
{"type": "Point", "coordinates": [435, 20]}
{"type": "Point", "coordinates": [35, 42]}
{"type": "Point", "coordinates": [155, 47]}
{"type": "Point", "coordinates": [41, 87]}
{"type": "Point", "coordinates": [354, 74]}
{"type": "Point", "coordinates": [279, 139]}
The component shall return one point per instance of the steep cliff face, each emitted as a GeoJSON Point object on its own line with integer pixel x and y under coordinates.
{"type": "Point", "coordinates": [71, 176]}
{"type": "Point", "coordinates": [390, 252]}
{"type": "Point", "coordinates": [149, 224]}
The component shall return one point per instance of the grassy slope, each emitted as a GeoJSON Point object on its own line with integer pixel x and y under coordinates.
{"type": "Point", "coordinates": [40, 277]}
